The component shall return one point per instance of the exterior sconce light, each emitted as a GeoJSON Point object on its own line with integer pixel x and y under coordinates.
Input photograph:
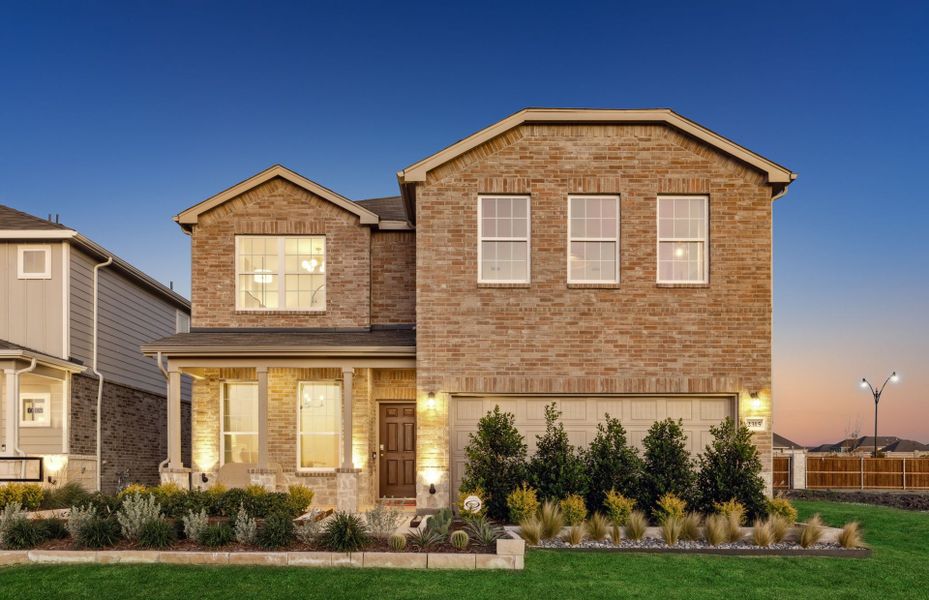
{"type": "Point", "coordinates": [430, 400]}
{"type": "Point", "coordinates": [432, 488]}
{"type": "Point", "coordinates": [204, 478]}
{"type": "Point", "coordinates": [756, 401]}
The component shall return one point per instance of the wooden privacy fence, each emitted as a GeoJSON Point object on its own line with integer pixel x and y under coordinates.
{"type": "Point", "coordinates": [864, 473]}
{"type": "Point", "coordinates": [781, 472]}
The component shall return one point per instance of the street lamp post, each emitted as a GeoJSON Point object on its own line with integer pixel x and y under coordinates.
{"type": "Point", "coordinates": [876, 392]}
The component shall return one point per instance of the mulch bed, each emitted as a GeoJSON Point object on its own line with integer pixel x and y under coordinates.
{"type": "Point", "coordinates": [918, 501]}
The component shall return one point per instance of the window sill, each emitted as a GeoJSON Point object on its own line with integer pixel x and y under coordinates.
{"type": "Point", "coordinates": [488, 284]}
{"type": "Point", "coordinates": [593, 286]}
{"type": "Point", "coordinates": [317, 473]}
{"type": "Point", "coordinates": [697, 285]}
{"type": "Point", "coordinates": [261, 311]}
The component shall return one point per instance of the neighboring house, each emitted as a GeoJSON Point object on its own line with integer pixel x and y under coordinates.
{"type": "Point", "coordinates": [856, 445]}
{"type": "Point", "coordinates": [782, 444]}
{"type": "Point", "coordinates": [48, 396]}
{"type": "Point", "coordinates": [609, 261]}
{"type": "Point", "coordinates": [905, 447]}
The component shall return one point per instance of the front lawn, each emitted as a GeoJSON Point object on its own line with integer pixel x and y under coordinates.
{"type": "Point", "coordinates": [898, 569]}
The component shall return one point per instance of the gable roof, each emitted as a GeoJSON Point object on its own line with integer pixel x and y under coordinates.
{"type": "Point", "coordinates": [17, 220]}
{"type": "Point", "coordinates": [776, 173]}
{"type": "Point", "coordinates": [905, 446]}
{"type": "Point", "coordinates": [782, 442]}
{"type": "Point", "coordinates": [189, 217]}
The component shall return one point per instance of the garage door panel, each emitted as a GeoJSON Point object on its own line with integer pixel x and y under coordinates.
{"type": "Point", "coordinates": [715, 409]}
{"type": "Point", "coordinates": [681, 409]}
{"type": "Point", "coordinates": [612, 407]}
{"type": "Point", "coordinates": [469, 410]}
{"type": "Point", "coordinates": [644, 409]}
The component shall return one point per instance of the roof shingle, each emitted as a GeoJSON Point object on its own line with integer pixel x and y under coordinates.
{"type": "Point", "coordinates": [17, 220]}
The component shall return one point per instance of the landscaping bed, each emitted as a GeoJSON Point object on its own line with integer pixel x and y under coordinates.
{"type": "Point", "coordinates": [913, 500]}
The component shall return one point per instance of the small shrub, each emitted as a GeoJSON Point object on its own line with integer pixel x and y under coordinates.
{"type": "Point", "coordinates": [344, 532]}
{"type": "Point", "coordinates": [715, 530]}
{"type": "Point", "coordinates": [597, 526]}
{"type": "Point", "coordinates": [762, 535]}
{"type": "Point", "coordinates": [496, 463]}
{"type": "Point", "coordinates": [616, 533]}
{"type": "Point", "coordinates": [575, 534]}
{"type": "Point", "coordinates": [229, 501]}
{"type": "Point", "coordinates": [306, 531]}
{"type": "Point", "coordinates": [783, 507]}
{"type": "Point", "coordinates": [464, 510]}
{"type": "Point", "coordinates": [459, 540]}
{"type": "Point", "coordinates": [195, 525]}
{"type": "Point", "coordinates": [618, 507]}
{"type": "Point", "coordinates": [245, 528]}
{"type": "Point", "coordinates": [397, 542]}
{"type": "Point", "coordinates": [156, 533]}
{"type": "Point", "coordinates": [731, 509]}
{"type": "Point", "coordinates": [671, 528]}
{"type": "Point", "coordinates": [811, 532]}
{"type": "Point", "coordinates": [690, 527]}
{"type": "Point", "coordinates": [66, 496]}
{"type": "Point", "coordinates": [21, 534]}
{"type": "Point", "coordinates": [28, 495]}
{"type": "Point", "coordinates": [779, 527]}
{"type": "Point", "coordinates": [136, 511]}
{"type": "Point", "coordinates": [255, 489]}
{"type": "Point", "coordinates": [11, 514]}
{"type": "Point", "coordinates": [850, 536]}
{"type": "Point", "coordinates": [98, 532]}
{"type": "Point", "coordinates": [424, 539]}
{"type": "Point", "coordinates": [216, 535]}
{"type": "Point", "coordinates": [440, 522]}
{"type": "Point", "coordinates": [52, 529]}
{"type": "Point", "coordinates": [277, 532]}
{"type": "Point", "coordinates": [636, 525]}
{"type": "Point", "coordinates": [522, 503]}
{"type": "Point", "coordinates": [133, 489]}
{"type": "Point", "coordinates": [531, 530]}
{"type": "Point", "coordinates": [551, 519]}
{"type": "Point", "coordinates": [483, 530]}
{"type": "Point", "coordinates": [104, 504]}
{"type": "Point", "coordinates": [77, 517]}
{"type": "Point", "coordinates": [573, 509]}
{"type": "Point", "coordinates": [670, 507]}
{"type": "Point", "coordinates": [383, 520]}
{"type": "Point", "coordinates": [301, 498]}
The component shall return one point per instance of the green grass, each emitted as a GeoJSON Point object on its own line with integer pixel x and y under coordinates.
{"type": "Point", "coordinates": [898, 569]}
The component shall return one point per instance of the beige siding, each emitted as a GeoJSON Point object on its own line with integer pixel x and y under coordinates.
{"type": "Point", "coordinates": [129, 316]}
{"type": "Point", "coordinates": [31, 309]}
{"type": "Point", "coordinates": [43, 440]}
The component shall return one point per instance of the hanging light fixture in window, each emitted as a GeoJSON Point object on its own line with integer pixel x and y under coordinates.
{"type": "Point", "coordinates": [262, 276]}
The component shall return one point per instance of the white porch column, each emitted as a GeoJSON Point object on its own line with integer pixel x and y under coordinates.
{"type": "Point", "coordinates": [347, 377]}
{"type": "Point", "coordinates": [12, 419]}
{"type": "Point", "coordinates": [262, 373]}
{"type": "Point", "coordinates": [174, 420]}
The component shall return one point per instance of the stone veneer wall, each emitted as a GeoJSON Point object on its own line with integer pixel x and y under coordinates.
{"type": "Point", "coordinates": [134, 430]}
{"type": "Point", "coordinates": [548, 337]}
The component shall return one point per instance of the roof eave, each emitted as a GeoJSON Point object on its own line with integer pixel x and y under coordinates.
{"type": "Point", "coordinates": [282, 351]}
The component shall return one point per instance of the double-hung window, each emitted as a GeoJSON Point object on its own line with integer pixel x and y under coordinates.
{"type": "Point", "coordinates": [503, 239]}
{"type": "Point", "coordinates": [593, 239]}
{"type": "Point", "coordinates": [281, 272]}
{"type": "Point", "coordinates": [683, 234]}
{"type": "Point", "coordinates": [240, 422]}
{"type": "Point", "coordinates": [319, 420]}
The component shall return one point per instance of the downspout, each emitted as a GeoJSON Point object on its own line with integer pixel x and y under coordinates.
{"type": "Point", "coordinates": [17, 406]}
{"type": "Point", "coordinates": [164, 372]}
{"type": "Point", "coordinates": [97, 268]}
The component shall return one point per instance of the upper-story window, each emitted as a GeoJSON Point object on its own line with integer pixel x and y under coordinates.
{"type": "Point", "coordinates": [683, 231]}
{"type": "Point", "coordinates": [503, 234]}
{"type": "Point", "coordinates": [280, 272]}
{"type": "Point", "coordinates": [34, 262]}
{"type": "Point", "coordinates": [593, 239]}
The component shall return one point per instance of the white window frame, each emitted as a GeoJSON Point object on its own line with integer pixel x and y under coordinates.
{"type": "Point", "coordinates": [339, 434]}
{"type": "Point", "coordinates": [46, 416]}
{"type": "Point", "coordinates": [20, 262]}
{"type": "Point", "coordinates": [182, 322]}
{"type": "Point", "coordinates": [705, 239]}
{"type": "Point", "coordinates": [222, 417]}
{"type": "Point", "coordinates": [281, 274]}
{"type": "Point", "coordinates": [614, 197]}
{"type": "Point", "coordinates": [481, 239]}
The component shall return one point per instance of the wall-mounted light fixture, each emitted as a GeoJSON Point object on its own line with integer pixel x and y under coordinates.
{"type": "Point", "coordinates": [204, 478]}
{"type": "Point", "coordinates": [430, 400]}
{"type": "Point", "coordinates": [432, 488]}
{"type": "Point", "coordinates": [756, 401]}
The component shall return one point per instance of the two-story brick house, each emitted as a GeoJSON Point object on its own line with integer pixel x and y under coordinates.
{"type": "Point", "coordinates": [612, 261]}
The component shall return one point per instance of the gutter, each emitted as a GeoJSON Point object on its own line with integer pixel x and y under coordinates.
{"type": "Point", "coordinates": [97, 268]}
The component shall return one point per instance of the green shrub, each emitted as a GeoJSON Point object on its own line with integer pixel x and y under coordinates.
{"type": "Point", "coordinates": [424, 539]}
{"type": "Point", "coordinates": [483, 530]}
{"type": "Point", "coordinates": [277, 532]}
{"type": "Point", "coordinates": [52, 529]}
{"type": "Point", "coordinates": [228, 502]}
{"type": "Point", "coordinates": [573, 510]}
{"type": "Point", "coordinates": [344, 532]}
{"type": "Point", "coordinates": [78, 516]}
{"type": "Point", "coordinates": [22, 534]}
{"type": "Point", "coordinates": [551, 520]}
{"type": "Point", "coordinates": [135, 512]}
{"type": "Point", "coordinates": [611, 464]}
{"type": "Point", "coordinates": [397, 542]}
{"type": "Point", "coordinates": [306, 531]}
{"type": "Point", "coordinates": [463, 496]}
{"type": "Point", "coordinates": [667, 467]}
{"type": "Point", "coordinates": [383, 520]}
{"type": "Point", "coordinates": [670, 507]}
{"type": "Point", "coordinates": [784, 508]}
{"type": "Point", "coordinates": [104, 504]}
{"type": "Point", "coordinates": [301, 498]}
{"type": "Point", "coordinates": [459, 540]}
{"type": "Point", "coordinates": [29, 495]}
{"type": "Point", "coordinates": [132, 489]}
{"type": "Point", "coordinates": [496, 464]}
{"type": "Point", "coordinates": [440, 522]}
{"type": "Point", "coordinates": [618, 507]}
{"type": "Point", "coordinates": [98, 532]}
{"type": "Point", "coordinates": [216, 535]}
{"type": "Point", "coordinates": [66, 496]}
{"type": "Point", "coordinates": [156, 533]}
{"type": "Point", "coordinates": [557, 469]}
{"type": "Point", "coordinates": [730, 468]}
{"type": "Point", "coordinates": [522, 503]}
{"type": "Point", "coordinates": [245, 528]}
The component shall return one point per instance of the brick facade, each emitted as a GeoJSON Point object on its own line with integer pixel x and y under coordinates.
{"type": "Point", "coordinates": [134, 429]}
{"type": "Point", "coordinates": [393, 277]}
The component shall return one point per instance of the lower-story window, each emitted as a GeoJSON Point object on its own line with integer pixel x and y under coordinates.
{"type": "Point", "coordinates": [319, 419]}
{"type": "Point", "coordinates": [240, 423]}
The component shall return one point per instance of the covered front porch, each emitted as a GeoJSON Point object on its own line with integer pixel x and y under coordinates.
{"type": "Point", "coordinates": [343, 421]}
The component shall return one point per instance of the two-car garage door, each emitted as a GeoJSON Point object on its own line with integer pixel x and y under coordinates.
{"type": "Point", "coordinates": [580, 416]}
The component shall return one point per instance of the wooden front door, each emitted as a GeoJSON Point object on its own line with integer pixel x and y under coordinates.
{"type": "Point", "coordinates": [398, 450]}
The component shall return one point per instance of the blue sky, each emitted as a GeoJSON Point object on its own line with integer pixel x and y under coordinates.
{"type": "Point", "coordinates": [118, 116]}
